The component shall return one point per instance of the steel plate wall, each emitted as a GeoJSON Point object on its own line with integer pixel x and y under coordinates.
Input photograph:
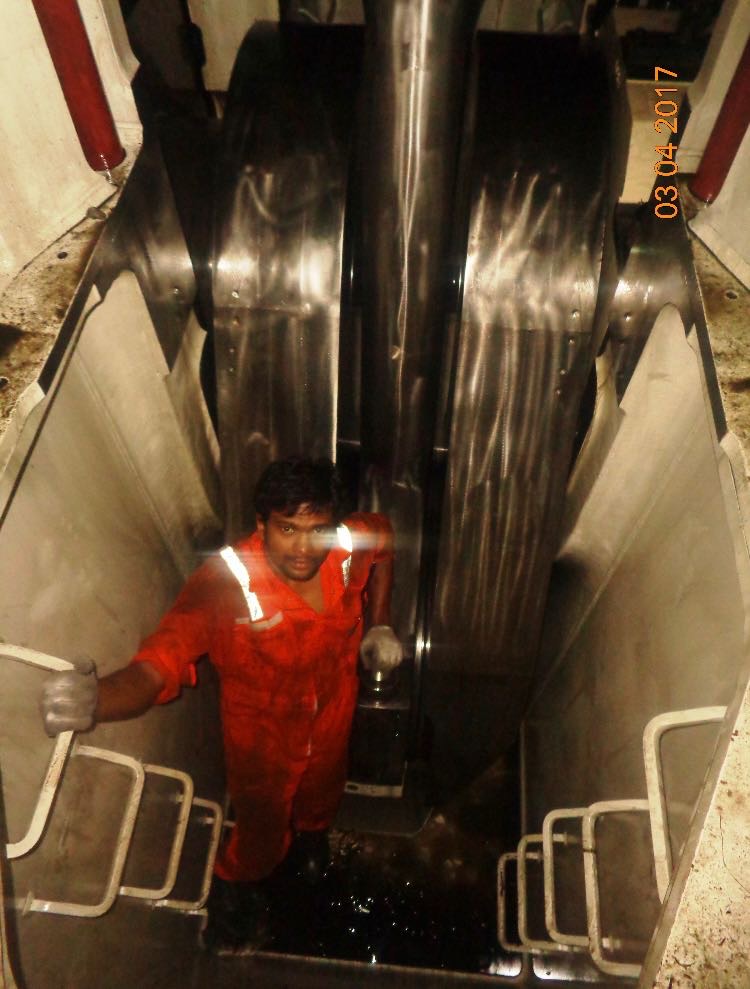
{"type": "Point", "coordinates": [645, 616]}
{"type": "Point", "coordinates": [114, 501]}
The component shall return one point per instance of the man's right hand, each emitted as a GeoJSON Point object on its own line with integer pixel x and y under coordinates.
{"type": "Point", "coordinates": [68, 701]}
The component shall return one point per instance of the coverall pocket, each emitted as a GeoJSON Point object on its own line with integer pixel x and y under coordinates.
{"type": "Point", "coordinates": [263, 649]}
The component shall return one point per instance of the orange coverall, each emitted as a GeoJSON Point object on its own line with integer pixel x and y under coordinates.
{"type": "Point", "coordinates": [288, 688]}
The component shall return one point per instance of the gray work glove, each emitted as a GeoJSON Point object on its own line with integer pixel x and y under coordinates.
{"type": "Point", "coordinates": [68, 700]}
{"type": "Point", "coordinates": [380, 650]}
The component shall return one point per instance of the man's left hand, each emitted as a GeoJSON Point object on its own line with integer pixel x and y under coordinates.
{"type": "Point", "coordinates": [380, 650]}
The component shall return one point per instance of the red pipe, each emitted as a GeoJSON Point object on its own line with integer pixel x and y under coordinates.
{"type": "Point", "coordinates": [70, 50]}
{"type": "Point", "coordinates": [726, 136]}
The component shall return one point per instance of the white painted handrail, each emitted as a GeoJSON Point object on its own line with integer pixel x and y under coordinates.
{"type": "Point", "coordinates": [45, 800]}
{"type": "Point", "coordinates": [523, 855]}
{"type": "Point", "coordinates": [655, 781]}
{"type": "Point", "coordinates": [549, 838]}
{"type": "Point", "coordinates": [48, 791]}
{"type": "Point", "coordinates": [122, 847]}
{"type": "Point", "coordinates": [217, 821]}
{"type": "Point", "coordinates": [186, 801]}
{"type": "Point", "coordinates": [502, 882]}
{"type": "Point", "coordinates": [655, 805]}
{"type": "Point", "coordinates": [535, 945]}
{"type": "Point", "coordinates": [591, 879]}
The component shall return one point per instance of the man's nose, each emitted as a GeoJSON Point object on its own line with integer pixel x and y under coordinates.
{"type": "Point", "coordinates": [304, 543]}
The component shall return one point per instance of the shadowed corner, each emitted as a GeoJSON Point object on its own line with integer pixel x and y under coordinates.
{"type": "Point", "coordinates": [9, 955]}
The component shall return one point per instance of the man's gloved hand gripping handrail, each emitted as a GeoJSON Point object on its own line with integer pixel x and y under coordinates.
{"type": "Point", "coordinates": [76, 700]}
{"type": "Point", "coordinates": [68, 701]}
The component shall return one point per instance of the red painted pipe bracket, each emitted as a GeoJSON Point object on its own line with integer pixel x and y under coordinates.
{"type": "Point", "coordinates": [73, 59]}
{"type": "Point", "coordinates": [726, 136]}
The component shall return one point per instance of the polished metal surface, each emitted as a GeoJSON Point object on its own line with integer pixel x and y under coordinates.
{"type": "Point", "coordinates": [417, 55]}
{"type": "Point", "coordinates": [145, 235]}
{"type": "Point", "coordinates": [277, 254]}
{"type": "Point", "coordinates": [307, 11]}
{"type": "Point", "coordinates": [659, 269]}
{"type": "Point", "coordinates": [538, 278]}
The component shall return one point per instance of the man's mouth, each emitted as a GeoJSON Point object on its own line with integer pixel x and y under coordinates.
{"type": "Point", "coordinates": [301, 564]}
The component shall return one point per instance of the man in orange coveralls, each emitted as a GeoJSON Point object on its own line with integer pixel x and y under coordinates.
{"type": "Point", "coordinates": [281, 617]}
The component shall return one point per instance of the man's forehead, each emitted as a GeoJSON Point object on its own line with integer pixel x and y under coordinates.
{"type": "Point", "coordinates": [308, 514]}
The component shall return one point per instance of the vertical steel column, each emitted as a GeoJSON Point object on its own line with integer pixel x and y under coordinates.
{"type": "Point", "coordinates": [416, 58]}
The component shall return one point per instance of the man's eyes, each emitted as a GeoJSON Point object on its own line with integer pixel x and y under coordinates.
{"type": "Point", "coordinates": [318, 530]}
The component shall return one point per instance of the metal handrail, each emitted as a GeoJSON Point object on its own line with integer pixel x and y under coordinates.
{"type": "Point", "coordinates": [655, 805]}
{"type": "Point", "coordinates": [217, 822]}
{"type": "Point", "coordinates": [122, 847]}
{"type": "Point", "coordinates": [186, 801]}
{"type": "Point", "coordinates": [591, 878]}
{"type": "Point", "coordinates": [48, 791]}
{"type": "Point", "coordinates": [535, 945]}
{"type": "Point", "coordinates": [652, 735]}
{"type": "Point", "coordinates": [502, 934]}
{"type": "Point", "coordinates": [579, 941]}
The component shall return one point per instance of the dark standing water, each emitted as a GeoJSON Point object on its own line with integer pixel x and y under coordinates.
{"type": "Point", "coordinates": [427, 901]}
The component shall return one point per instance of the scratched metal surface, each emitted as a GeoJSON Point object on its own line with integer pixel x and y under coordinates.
{"type": "Point", "coordinates": [540, 271]}
{"type": "Point", "coordinates": [416, 65]}
{"type": "Point", "coordinates": [281, 187]}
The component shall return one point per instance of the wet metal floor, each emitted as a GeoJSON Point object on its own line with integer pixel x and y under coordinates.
{"type": "Point", "coordinates": [427, 901]}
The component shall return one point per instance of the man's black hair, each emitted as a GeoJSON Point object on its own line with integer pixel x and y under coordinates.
{"type": "Point", "coordinates": [286, 484]}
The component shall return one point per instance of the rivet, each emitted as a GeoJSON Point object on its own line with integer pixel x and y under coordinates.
{"type": "Point", "coordinates": [235, 294]}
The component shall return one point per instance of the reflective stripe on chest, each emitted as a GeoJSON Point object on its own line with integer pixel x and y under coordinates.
{"type": "Point", "coordinates": [241, 575]}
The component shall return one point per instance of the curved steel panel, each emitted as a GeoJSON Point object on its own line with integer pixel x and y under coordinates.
{"type": "Point", "coordinates": [413, 97]}
{"type": "Point", "coordinates": [277, 258]}
{"type": "Point", "coordinates": [544, 186]}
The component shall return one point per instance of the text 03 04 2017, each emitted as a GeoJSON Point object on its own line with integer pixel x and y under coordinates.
{"type": "Point", "coordinates": [665, 110]}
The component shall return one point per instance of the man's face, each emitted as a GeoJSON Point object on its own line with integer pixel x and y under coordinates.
{"type": "Point", "coordinates": [297, 545]}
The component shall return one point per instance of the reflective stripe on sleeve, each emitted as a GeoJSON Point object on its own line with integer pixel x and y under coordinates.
{"type": "Point", "coordinates": [239, 571]}
{"type": "Point", "coordinates": [346, 543]}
